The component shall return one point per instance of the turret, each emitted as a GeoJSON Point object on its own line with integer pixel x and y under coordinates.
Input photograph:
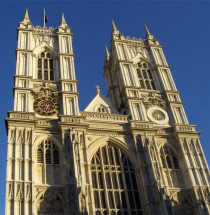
{"type": "Point", "coordinates": [63, 26]}
{"type": "Point", "coordinates": [115, 31]}
{"type": "Point", "coordinates": [25, 23]}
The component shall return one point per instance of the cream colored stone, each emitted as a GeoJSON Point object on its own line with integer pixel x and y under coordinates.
{"type": "Point", "coordinates": [62, 163]}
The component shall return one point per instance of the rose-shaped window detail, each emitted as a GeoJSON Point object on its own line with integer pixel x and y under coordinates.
{"type": "Point", "coordinates": [158, 115]}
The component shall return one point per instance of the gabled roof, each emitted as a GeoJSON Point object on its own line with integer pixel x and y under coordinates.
{"type": "Point", "coordinates": [100, 102]}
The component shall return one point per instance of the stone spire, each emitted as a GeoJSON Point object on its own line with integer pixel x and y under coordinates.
{"type": "Point", "coordinates": [107, 53]}
{"type": "Point", "coordinates": [115, 31]}
{"type": "Point", "coordinates": [26, 20]}
{"type": "Point", "coordinates": [63, 24]}
{"type": "Point", "coordinates": [63, 19]}
{"type": "Point", "coordinates": [113, 26]}
{"type": "Point", "coordinates": [148, 35]}
{"type": "Point", "coordinates": [26, 15]}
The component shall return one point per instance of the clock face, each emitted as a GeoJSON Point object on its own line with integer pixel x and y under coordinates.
{"type": "Point", "coordinates": [46, 106]}
{"type": "Point", "coordinates": [157, 115]}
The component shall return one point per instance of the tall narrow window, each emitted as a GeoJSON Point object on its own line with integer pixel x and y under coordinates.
{"type": "Point", "coordinates": [45, 66]}
{"type": "Point", "coordinates": [113, 176]}
{"type": "Point", "coordinates": [22, 102]}
{"type": "Point", "coordinates": [40, 74]}
{"type": "Point", "coordinates": [48, 163]}
{"type": "Point", "coordinates": [179, 115]}
{"type": "Point", "coordinates": [56, 156]}
{"type": "Point", "coordinates": [45, 75]}
{"type": "Point", "coordinates": [40, 156]}
{"type": "Point", "coordinates": [51, 75]}
{"type": "Point", "coordinates": [48, 156]}
{"type": "Point", "coordinates": [145, 77]}
{"type": "Point", "coordinates": [171, 167]}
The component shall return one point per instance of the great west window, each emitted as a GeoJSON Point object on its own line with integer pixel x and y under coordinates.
{"type": "Point", "coordinates": [115, 188]}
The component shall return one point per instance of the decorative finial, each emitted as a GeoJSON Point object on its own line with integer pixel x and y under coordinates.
{"type": "Point", "coordinates": [107, 53]}
{"type": "Point", "coordinates": [146, 30]}
{"type": "Point", "coordinates": [26, 16]}
{"type": "Point", "coordinates": [115, 31]}
{"type": "Point", "coordinates": [148, 35]}
{"type": "Point", "coordinates": [63, 18]}
{"type": "Point", "coordinates": [63, 24]}
{"type": "Point", "coordinates": [97, 89]}
{"type": "Point", "coordinates": [113, 25]}
{"type": "Point", "coordinates": [25, 21]}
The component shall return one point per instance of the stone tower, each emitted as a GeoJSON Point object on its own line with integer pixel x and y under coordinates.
{"type": "Point", "coordinates": [134, 155]}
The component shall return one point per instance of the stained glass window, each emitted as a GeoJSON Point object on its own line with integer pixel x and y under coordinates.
{"type": "Point", "coordinates": [115, 178]}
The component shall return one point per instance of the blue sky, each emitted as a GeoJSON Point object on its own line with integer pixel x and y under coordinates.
{"type": "Point", "coordinates": [183, 28]}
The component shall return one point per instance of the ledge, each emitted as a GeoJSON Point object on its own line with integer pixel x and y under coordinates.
{"type": "Point", "coordinates": [183, 128]}
{"type": "Point", "coordinates": [21, 115]}
{"type": "Point", "coordinates": [105, 117]}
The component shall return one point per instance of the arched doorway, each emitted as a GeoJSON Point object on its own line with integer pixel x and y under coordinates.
{"type": "Point", "coordinates": [50, 203]}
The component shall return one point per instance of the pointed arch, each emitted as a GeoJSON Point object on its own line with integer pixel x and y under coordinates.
{"type": "Point", "coordinates": [114, 173]}
{"type": "Point", "coordinates": [44, 47]}
{"type": "Point", "coordinates": [44, 57]}
{"type": "Point", "coordinates": [169, 158]}
{"type": "Point", "coordinates": [139, 58]}
{"type": "Point", "coordinates": [48, 160]}
{"type": "Point", "coordinates": [145, 74]}
{"type": "Point", "coordinates": [49, 202]}
{"type": "Point", "coordinates": [99, 142]}
{"type": "Point", "coordinates": [49, 137]}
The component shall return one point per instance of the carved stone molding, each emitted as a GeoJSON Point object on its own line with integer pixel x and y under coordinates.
{"type": "Point", "coordinates": [28, 192]}
{"type": "Point", "coordinates": [71, 119]}
{"type": "Point", "coordinates": [105, 117]}
{"type": "Point", "coordinates": [19, 192]}
{"type": "Point", "coordinates": [153, 99]}
{"type": "Point", "coordinates": [16, 115]}
{"type": "Point", "coordinates": [135, 124]}
{"type": "Point", "coordinates": [45, 90]}
{"type": "Point", "coordinates": [10, 195]}
{"type": "Point", "coordinates": [184, 128]}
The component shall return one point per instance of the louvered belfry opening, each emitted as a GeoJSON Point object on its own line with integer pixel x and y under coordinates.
{"type": "Point", "coordinates": [114, 183]}
{"type": "Point", "coordinates": [48, 150]}
{"type": "Point", "coordinates": [45, 66]}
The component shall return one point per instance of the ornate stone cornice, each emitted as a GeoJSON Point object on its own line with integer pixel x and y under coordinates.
{"type": "Point", "coordinates": [105, 117]}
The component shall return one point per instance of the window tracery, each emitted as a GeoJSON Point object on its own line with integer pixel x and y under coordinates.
{"type": "Point", "coordinates": [113, 176]}
{"type": "Point", "coordinates": [49, 150]}
{"type": "Point", "coordinates": [45, 66]}
{"type": "Point", "coordinates": [48, 161]}
{"type": "Point", "coordinates": [171, 167]}
{"type": "Point", "coordinates": [145, 76]}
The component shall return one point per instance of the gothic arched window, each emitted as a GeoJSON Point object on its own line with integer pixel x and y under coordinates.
{"type": "Point", "coordinates": [145, 76]}
{"type": "Point", "coordinates": [45, 66]}
{"type": "Point", "coordinates": [49, 150]}
{"type": "Point", "coordinates": [101, 109]}
{"type": "Point", "coordinates": [115, 188]}
{"type": "Point", "coordinates": [48, 163]}
{"type": "Point", "coordinates": [171, 166]}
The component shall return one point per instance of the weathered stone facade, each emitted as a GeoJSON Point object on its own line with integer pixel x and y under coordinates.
{"type": "Point", "coordinates": [134, 155]}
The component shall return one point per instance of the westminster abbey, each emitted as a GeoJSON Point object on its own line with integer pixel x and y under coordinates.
{"type": "Point", "coordinates": [134, 154]}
